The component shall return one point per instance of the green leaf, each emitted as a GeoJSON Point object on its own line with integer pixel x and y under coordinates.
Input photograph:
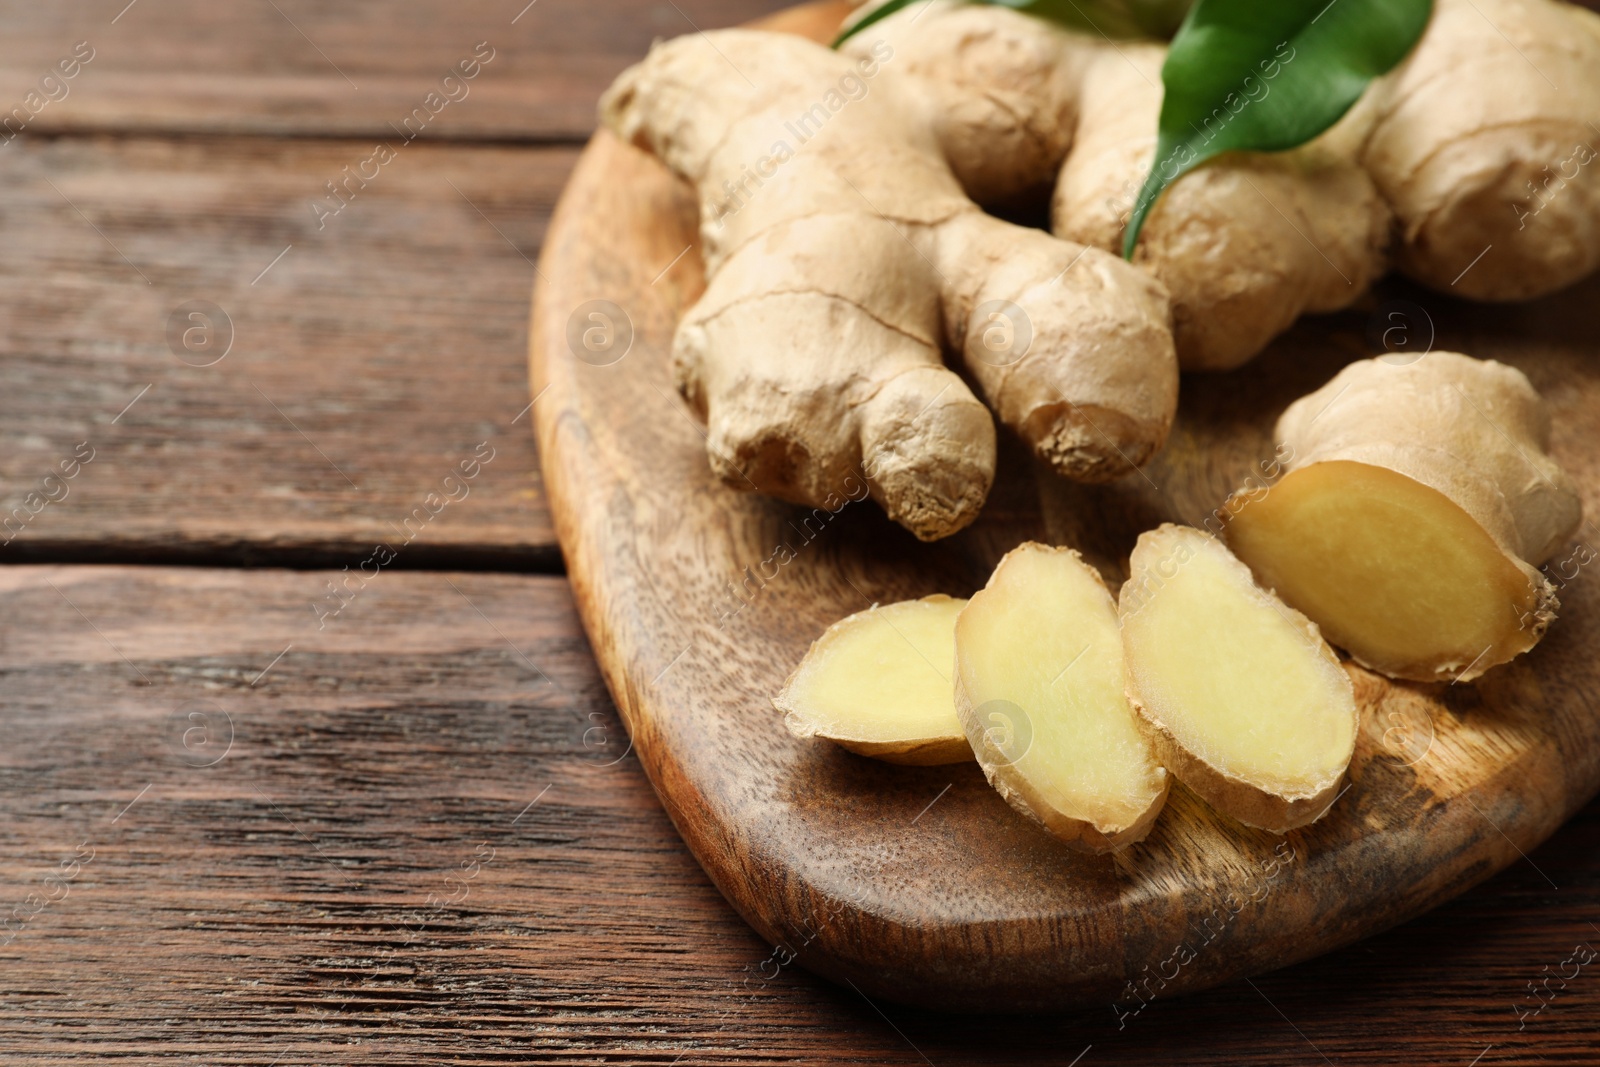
{"type": "Point", "coordinates": [1268, 75]}
{"type": "Point", "coordinates": [1110, 18]}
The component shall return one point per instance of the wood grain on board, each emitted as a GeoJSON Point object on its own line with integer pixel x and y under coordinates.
{"type": "Point", "coordinates": [919, 884]}
{"type": "Point", "coordinates": [372, 351]}
{"type": "Point", "coordinates": [353, 69]}
{"type": "Point", "coordinates": [418, 838]}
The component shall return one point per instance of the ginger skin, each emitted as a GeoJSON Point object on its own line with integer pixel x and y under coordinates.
{"type": "Point", "coordinates": [837, 280]}
{"type": "Point", "coordinates": [846, 252]}
{"type": "Point", "coordinates": [1466, 167]}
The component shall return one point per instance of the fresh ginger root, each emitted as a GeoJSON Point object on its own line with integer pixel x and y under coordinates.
{"type": "Point", "coordinates": [1467, 167]}
{"type": "Point", "coordinates": [1039, 688]}
{"type": "Point", "coordinates": [1416, 503]}
{"type": "Point", "coordinates": [1481, 144]}
{"type": "Point", "coordinates": [844, 249]}
{"type": "Point", "coordinates": [880, 683]}
{"type": "Point", "coordinates": [1246, 243]}
{"type": "Point", "coordinates": [1244, 701]}
{"type": "Point", "coordinates": [842, 256]}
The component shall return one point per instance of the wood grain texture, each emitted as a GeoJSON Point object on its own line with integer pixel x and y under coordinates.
{"type": "Point", "coordinates": [366, 364]}
{"type": "Point", "coordinates": [920, 885]}
{"type": "Point", "coordinates": [301, 68]}
{"type": "Point", "coordinates": [301, 900]}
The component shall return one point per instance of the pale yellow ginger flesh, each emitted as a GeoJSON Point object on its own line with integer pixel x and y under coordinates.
{"type": "Point", "coordinates": [1417, 501]}
{"type": "Point", "coordinates": [1244, 701]}
{"type": "Point", "coordinates": [1039, 688]}
{"type": "Point", "coordinates": [880, 683]}
{"type": "Point", "coordinates": [1395, 572]}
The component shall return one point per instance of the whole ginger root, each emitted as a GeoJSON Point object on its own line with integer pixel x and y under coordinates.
{"type": "Point", "coordinates": [846, 252]}
{"type": "Point", "coordinates": [843, 258]}
{"type": "Point", "coordinates": [1467, 167]}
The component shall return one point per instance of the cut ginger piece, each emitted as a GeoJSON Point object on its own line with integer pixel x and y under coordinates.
{"type": "Point", "coordinates": [1417, 502]}
{"type": "Point", "coordinates": [879, 683]}
{"type": "Point", "coordinates": [1039, 688]}
{"type": "Point", "coordinates": [1243, 699]}
{"type": "Point", "coordinates": [1398, 574]}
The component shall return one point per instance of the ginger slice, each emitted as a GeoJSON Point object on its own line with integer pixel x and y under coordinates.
{"type": "Point", "coordinates": [1039, 688]}
{"type": "Point", "coordinates": [1417, 500]}
{"type": "Point", "coordinates": [879, 683]}
{"type": "Point", "coordinates": [1241, 696]}
{"type": "Point", "coordinates": [1398, 574]}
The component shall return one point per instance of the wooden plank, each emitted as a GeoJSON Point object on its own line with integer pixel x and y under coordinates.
{"type": "Point", "coordinates": [374, 351]}
{"type": "Point", "coordinates": [297, 67]}
{"type": "Point", "coordinates": [298, 896]}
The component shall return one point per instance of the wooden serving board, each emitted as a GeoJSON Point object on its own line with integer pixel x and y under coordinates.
{"type": "Point", "coordinates": [919, 884]}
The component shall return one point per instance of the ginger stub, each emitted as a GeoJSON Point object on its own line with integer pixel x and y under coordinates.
{"type": "Point", "coordinates": [1417, 502]}
{"type": "Point", "coordinates": [1039, 689]}
{"type": "Point", "coordinates": [879, 683]}
{"type": "Point", "coordinates": [1242, 698]}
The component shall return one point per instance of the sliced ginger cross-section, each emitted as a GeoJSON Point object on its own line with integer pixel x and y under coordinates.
{"type": "Point", "coordinates": [879, 683]}
{"type": "Point", "coordinates": [1242, 698]}
{"type": "Point", "coordinates": [1039, 687]}
{"type": "Point", "coordinates": [1418, 501]}
{"type": "Point", "coordinates": [1395, 570]}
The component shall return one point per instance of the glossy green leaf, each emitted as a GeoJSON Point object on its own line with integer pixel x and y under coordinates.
{"type": "Point", "coordinates": [1268, 75]}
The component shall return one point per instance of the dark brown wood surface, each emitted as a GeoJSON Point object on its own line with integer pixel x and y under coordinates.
{"type": "Point", "coordinates": [302, 900]}
{"type": "Point", "coordinates": [280, 880]}
{"type": "Point", "coordinates": [385, 344]}
{"type": "Point", "coordinates": [371, 358]}
{"type": "Point", "coordinates": [349, 69]}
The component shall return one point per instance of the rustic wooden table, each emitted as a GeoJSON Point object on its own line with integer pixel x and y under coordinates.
{"type": "Point", "coordinates": [271, 798]}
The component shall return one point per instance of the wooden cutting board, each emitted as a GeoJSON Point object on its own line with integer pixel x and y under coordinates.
{"type": "Point", "coordinates": [920, 885]}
